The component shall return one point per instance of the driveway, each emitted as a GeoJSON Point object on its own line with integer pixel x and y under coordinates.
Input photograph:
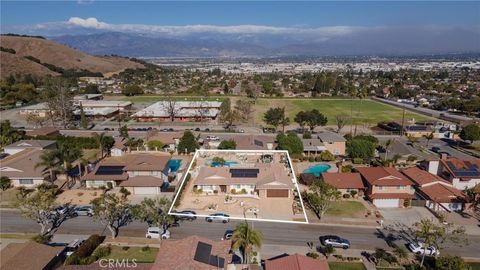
{"type": "Point", "coordinates": [404, 216]}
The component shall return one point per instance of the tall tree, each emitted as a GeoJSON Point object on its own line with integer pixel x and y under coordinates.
{"type": "Point", "coordinates": [188, 143]}
{"type": "Point", "coordinates": [50, 161]}
{"type": "Point", "coordinates": [470, 133]}
{"type": "Point", "coordinates": [247, 239]}
{"type": "Point", "coordinates": [123, 132]}
{"type": "Point", "coordinates": [5, 183]}
{"type": "Point", "coordinates": [83, 119]}
{"type": "Point", "coordinates": [290, 142]}
{"type": "Point", "coordinates": [244, 109]}
{"type": "Point", "coordinates": [320, 196]}
{"type": "Point", "coordinates": [276, 117]}
{"type": "Point", "coordinates": [154, 211]}
{"type": "Point", "coordinates": [59, 99]}
{"type": "Point", "coordinates": [312, 119]}
{"type": "Point", "coordinates": [113, 211]}
{"type": "Point", "coordinates": [341, 121]}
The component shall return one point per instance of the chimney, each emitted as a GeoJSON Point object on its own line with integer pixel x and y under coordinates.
{"type": "Point", "coordinates": [443, 156]}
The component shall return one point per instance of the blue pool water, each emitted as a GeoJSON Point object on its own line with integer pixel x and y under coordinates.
{"type": "Point", "coordinates": [227, 163]}
{"type": "Point", "coordinates": [174, 164]}
{"type": "Point", "coordinates": [317, 169]}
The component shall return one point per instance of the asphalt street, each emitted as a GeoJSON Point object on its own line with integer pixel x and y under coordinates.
{"type": "Point", "coordinates": [274, 233]}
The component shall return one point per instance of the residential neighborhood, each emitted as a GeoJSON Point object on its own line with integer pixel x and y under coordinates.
{"type": "Point", "coordinates": [239, 135]}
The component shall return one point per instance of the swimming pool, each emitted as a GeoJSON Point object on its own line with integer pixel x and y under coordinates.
{"type": "Point", "coordinates": [174, 164]}
{"type": "Point", "coordinates": [227, 163]}
{"type": "Point", "coordinates": [317, 169]}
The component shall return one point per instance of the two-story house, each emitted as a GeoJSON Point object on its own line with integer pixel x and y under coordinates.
{"type": "Point", "coordinates": [325, 141]}
{"type": "Point", "coordinates": [141, 174]}
{"type": "Point", "coordinates": [463, 174]}
{"type": "Point", "coordinates": [387, 187]}
{"type": "Point", "coordinates": [439, 194]}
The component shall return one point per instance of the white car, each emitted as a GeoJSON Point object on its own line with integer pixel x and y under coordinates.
{"type": "Point", "coordinates": [213, 138]}
{"type": "Point", "coordinates": [154, 233]}
{"type": "Point", "coordinates": [84, 211]}
{"type": "Point", "coordinates": [418, 248]}
{"type": "Point", "coordinates": [73, 246]}
{"type": "Point", "coordinates": [218, 217]}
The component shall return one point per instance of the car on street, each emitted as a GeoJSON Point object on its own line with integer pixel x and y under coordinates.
{"type": "Point", "coordinates": [213, 138]}
{"type": "Point", "coordinates": [419, 248]}
{"type": "Point", "coordinates": [218, 217]}
{"type": "Point", "coordinates": [156, 233]}
{"type": "Point", "coordinates": [4, 155]}
{"type": "Point", "coordinates": [435, 149]}
{"type": "Point", "coordinates": [186, 215]}
{"type": "Point", "coordinates": [227, 235]}
{"type": "Point", "coordinates": [334, 241]}
{"type": "Point", "coordinates": [83, 211]}
{"type": "Point", "coordinates": [73, 246]}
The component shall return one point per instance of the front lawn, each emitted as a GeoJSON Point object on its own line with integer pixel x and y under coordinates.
{"type": "Point", "coordinates": [347, 209]}
{"type": "Point", "coordinates": [346, 266]}
{"type": "Point", "coordinates": [474, 265]}
{"type": "Point", "coordinates": [141, 256]}
{"type": "Point", "coordinates": [7, 197]}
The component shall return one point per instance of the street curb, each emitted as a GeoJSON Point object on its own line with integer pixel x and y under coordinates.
{"type": "Point", "coordinates": [10, 209]}
{"type": "Point", "coordinates": [346, 225]}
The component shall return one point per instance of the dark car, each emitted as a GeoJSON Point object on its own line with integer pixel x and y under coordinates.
{"type": "Point", "coordinates": [334, 241]}
{"type": "Point", "coordinates": [197, 129]}
{"type": "Point", "coordinates": [227, 235]}
{"type": "Point", "coordinates": [186, 215]}
{"type": "Point", "coordinates": [4, 155]}
{"type": "Point", "coordinates": [435, 149]}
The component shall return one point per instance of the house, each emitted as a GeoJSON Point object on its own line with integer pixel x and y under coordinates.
{"type": "Point", "coordinates": [141, 174]}
{"type": "Point", "coordinates": [170, 139]}
{"type": "Point", "coordinates": [463, 174]}
{"type": "Point", "coordinates": [403, 151]}
{"type": "Point", "coordinates": [265, 180]}
{"type": "Point", "coordinates": [43, 131]}
{"type": "Point", "coordinates": [345, 182]}
{"type": "Point", "coordinates": [254, 142]}
{"type": "Point", "coordinates": [22, 170]}
{"type": "Point", "coordinates": [119, 148]}
{"type": "Point", "coordinates": [181, 110]}
{"type": "Point", "coordinates": [333, 142]}
{"type": "Point", "coordinates": [40, 110]}
{"type": "Point", "coordinates": [193, 252]}
{"type": "Point", "coordinates": [296, 262]}
{"type": "Point", "coordinates": [30, 256]}
{"type": "Point", "coordinates": [439, 194]}
{"type": "Point", "coordinates": [88, 104]}
{"type": "Point", "coordinates": [29, 144]}
{"type": "Point", "coordinates": [387, 187]}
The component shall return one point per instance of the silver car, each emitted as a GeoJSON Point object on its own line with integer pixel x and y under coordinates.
{"type": "Point", "coordinates": [218, 217]}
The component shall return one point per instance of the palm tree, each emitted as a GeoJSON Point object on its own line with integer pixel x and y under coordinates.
{"type": "Point", "coordinates": [49, 160]}
{"type": "Point", "coordinates": [388, 144]}
{"type": "Point", "coordinates": [428, 137]}
{"type": "Point", "coordinates": [100, 139]}
{"type": "Point", "coordinates": [246, 238]}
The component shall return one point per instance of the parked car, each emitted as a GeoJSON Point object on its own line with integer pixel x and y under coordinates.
{"type": "Point", "coordinates": [435, 149]}
{"type": "Point", "coordinates": [83, 211]}
{"type": "Point", "coordinates": [154, 233]}
{"type": "Point", "coordinates": [197, 129]}
{"type": "Point", "coordinates": [241, 130]}
{"type": "Point", "coordinates": [73, 246]}
{"type": "Point", "coordinates": [419, 248]}
{"type": "Point", "coordinates": [334, 241]}
{"type": "Point", "coordinates": [213, 138]}
{"type": "Point", "coordinates": [218, 217]}
{"type": "Point", "coordinates": [61, 210]}
{"type": "Point", "coordinates": [227, 235]}
{"type": "Point", "coordinates": [4, 155]}
{"type": "Point", "coordinates": [186, 215]}
{"type": "Point", "coordinates": [107, 129]}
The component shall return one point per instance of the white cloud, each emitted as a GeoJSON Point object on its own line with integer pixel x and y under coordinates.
{"type": "Point", "coordinates": [85, 2]}
{"type": "Point", "coordinates": [88, 23]}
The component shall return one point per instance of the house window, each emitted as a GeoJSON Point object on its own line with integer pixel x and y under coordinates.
{"type": "Point", "coordinates": [400, 187]}
{"type": "Point", "coordinates": [238, 186]}
{"type": "Point", "coordinates": [26, 181]}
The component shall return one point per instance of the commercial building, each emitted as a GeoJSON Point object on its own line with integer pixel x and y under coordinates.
{"type": "Point", "coordinates": [180, 111]}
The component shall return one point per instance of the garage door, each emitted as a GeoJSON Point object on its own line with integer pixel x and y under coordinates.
{"type": "Point", "coordinates": [145, 190]}
{"type": "Point", "coordinates": [386, 203]}
{"type": "Point", "coordinates": [272, 193]}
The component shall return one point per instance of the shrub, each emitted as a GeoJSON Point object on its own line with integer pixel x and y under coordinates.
{"type": "Point", "coordinates": [313, 255]}
{"type": "Point", "coordinates": [215, 191]}
{"type": "Point", "coordinates": [327, 156]}
{"type": "Point", "coordinates": [307, 135]}
{"type": "Point", "coordinates": [318, 158]}
{"type": "Point", "coordinates": [85, 250]}
{"type": "Point", "coordinates": [357, 160]}
{"type": "Point", "coordinates": [233, 191]}
{"type": "Point", "coordinates": [328, 249]}
{"type": "Point", "coordinates": [347, 168]}
{"type": "Point", "coordinates": [102, 251]}
{"type": "Point", "coordinates": [41, 239]}
{"type": "Point", "coordinates": [243, 191]}
{"type": "Point", "coordinates": [145, 248]}
{"type": "Point", "coordinates": [125, 248]}
{"type": "Point", "coordinates": [346, 196]}
{"type": "Point", "coordinates": [406, 203]}
{"type": "Point", "coordinates": [311, 159]}
{"type": "Point", "coordinates": [109, 185]}
{"type": "Point", "coordinates": [307, 178]}
{"type": "Point", "coordinates": [353, 193]}
{"type": "Point", "coordinates": [79, 194]}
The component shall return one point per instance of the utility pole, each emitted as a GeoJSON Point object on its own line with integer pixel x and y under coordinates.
{"type": "Point", "coordinates": [403, 121]}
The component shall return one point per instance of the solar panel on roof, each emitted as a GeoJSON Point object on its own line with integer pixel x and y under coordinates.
{"type": "Point", "coordinates": [109, 170]}
{"type": "Point", "coordinates": [258, 143]}
{"type": "Point", "coordinates": [249, 173]}
{"type": "Point", "coordinates": [202, 254]}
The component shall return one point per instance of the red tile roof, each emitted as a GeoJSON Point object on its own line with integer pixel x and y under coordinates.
{"type": "Point", "coordinates": [456, 165]}
{"type": "Point", "coordinates": [383, 176]}
{"type": "Point", "coordinates": [391, 196]}
{"type": "Point", "coordinates": [421, 177]}
{"type": "Point", "coordinates": [296, 262]}
{"type": "Point", "coordinates": [442, 193]}
{"type": "Point", "coordinates": [179, 254]}
{"type": "Point", "coordinates": [344, 180]}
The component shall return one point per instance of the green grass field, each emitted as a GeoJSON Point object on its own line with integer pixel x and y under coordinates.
{"type": "Point", "coordinates": [152, 99]}
{"type": "Point", "coordinates": [346, 209]}
{"type": "Point", "coordinates": [346, 266]}
{"type": "Point", "coordinates": [364, 112]}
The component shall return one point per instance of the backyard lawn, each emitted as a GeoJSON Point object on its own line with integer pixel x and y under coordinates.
{"type": "Point", "coordinates": [131, 253]}
{"type": "Point", "coordinates": [346, 266]}
{"type": "Point", "coordinates": [364, 112]}
{"type": "Point", "coordinates": [347, 209]}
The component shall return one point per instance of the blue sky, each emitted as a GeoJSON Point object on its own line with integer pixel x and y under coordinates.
{"type": "Point", "coordinates": [287, 14]}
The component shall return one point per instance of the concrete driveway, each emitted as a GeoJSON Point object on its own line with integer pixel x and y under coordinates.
{"type": "Point", "coordinates": [405, 216]}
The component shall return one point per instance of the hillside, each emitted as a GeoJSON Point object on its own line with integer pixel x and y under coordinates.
{"type": "Point", "coordinates": [50, 52]}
